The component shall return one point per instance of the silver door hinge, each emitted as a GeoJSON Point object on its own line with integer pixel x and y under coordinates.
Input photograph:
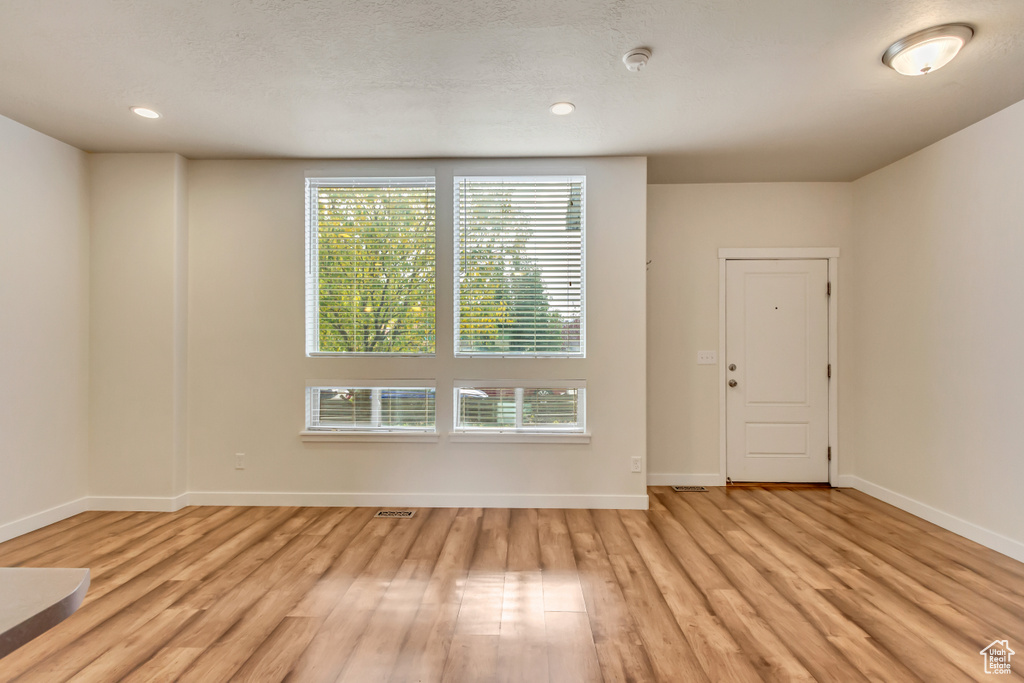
{"type": "Point", "coordinates": [828, 289]}
{"type": "Point", "coordinates": [830, 454]}
{"type": "Point", "coordinates": [830, 371]}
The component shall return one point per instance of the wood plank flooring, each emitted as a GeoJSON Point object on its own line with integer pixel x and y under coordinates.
{"type": "Point", "coordinates": [738, 584]}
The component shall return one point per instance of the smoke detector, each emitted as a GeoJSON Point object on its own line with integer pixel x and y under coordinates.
{"type": "Point", "coordinates": [636, 59]}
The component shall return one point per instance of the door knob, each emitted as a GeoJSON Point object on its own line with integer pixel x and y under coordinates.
{"type": "Point", "coordinates": [732, 366]}
{"type": "Point", "coordinates": [732, 383]}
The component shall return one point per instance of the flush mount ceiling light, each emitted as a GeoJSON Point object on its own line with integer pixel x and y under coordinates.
{"type": "Point", "coordinates": [636, 59]}
{"type": "Point", "coordinates": [562, 108]}
{"type": "Point", "coordinates": [925, 51]}
{"type": "Point", "coordinates": [145, 112]}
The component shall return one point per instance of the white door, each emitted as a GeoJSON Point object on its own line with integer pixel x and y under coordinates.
{"type": "Point", "coordinates": [776, 349]}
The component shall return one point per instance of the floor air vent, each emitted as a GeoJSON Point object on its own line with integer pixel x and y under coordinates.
{"type": "Point", "coordinates": [690, 489]}
{"type": "Point", "coordinates": [394, 513]}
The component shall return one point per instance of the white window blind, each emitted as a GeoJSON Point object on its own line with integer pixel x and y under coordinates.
{"type": "Point", "coordinates": [519, 262]}
{"type": "Point", "coordinates": [363, 408]}
{"type": "Point", "coordinates": [370, 266]}
{"type": "Point", "coordinates": [553, 407]}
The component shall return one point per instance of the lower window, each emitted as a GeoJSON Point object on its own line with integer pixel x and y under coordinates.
{"type": "Point", "coordinates": [537, 408]}
{"type": "Point", "coordinates": [370, 409]}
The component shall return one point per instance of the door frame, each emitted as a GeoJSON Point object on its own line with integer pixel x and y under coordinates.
{"type": "Point", "coordinates": [778, 254]}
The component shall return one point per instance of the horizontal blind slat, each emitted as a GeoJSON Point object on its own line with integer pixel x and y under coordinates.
{"type": "Point", "coordinates": [372, 408]}
{"type": "Point", "coordinates": [493, 408]}
{"type": "Point", "coordinates": [375, 267]}
{"type": "Point", "coordinates": [519, 261]}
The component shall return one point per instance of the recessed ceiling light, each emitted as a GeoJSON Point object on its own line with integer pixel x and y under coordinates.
{"type": "Point", "coordinates": [562, 108]}
{"type": "Point", "coordinates": [925, 51]}
{"type": "Point", "coordinates": [146, 113]}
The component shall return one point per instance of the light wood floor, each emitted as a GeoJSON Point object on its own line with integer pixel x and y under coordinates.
{"type": "Point", "coordinates": [729, 585]}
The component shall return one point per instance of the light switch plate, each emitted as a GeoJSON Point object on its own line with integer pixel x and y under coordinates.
{"type": "Point", "coordinates": [707, 357]}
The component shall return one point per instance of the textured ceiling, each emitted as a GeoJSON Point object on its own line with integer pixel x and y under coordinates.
{"type": "Point", "coordinates": [737, 90]}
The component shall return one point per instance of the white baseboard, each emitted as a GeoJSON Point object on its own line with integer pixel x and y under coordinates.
{"type": "Point", "coordinates": [670, 479]}
{"type": "Point", "coordinates": [970, 530]}
{"type": "Point", "coordinates": [138, 503]}
{"type": "Point", "coordinates": [425, 500]}
{"type": "Point", "coordinates": [41, 519]}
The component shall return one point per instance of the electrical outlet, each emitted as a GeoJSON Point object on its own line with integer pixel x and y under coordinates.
{"type": "Point", "coordinates": [239, 461]}
{"type": "Point", "coordinates": [635, 464]}
{"type": "Point", "coordinates": [707, 357]}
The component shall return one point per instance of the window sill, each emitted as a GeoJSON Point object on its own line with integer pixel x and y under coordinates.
{"type": "Point", "coordinates": [466, 354]}
{"type": "Point", "coordinates": [366, 354]}
{"type": "Point", "coordinates": [520, 437]}
{"type": "Point", "coordinates": [325, 435]}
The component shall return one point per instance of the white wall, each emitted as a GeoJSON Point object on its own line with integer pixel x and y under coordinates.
{"type": "Point", "coordinates": [138, 317]}
{"type": "Point", "coordinates": [687, 224]}
{"type": "Point", "coordinates": [247, 366]}
{"type": "Point", "coordinates": [44, 305]}
{"type": "Point", "coordinates": [937, 328]}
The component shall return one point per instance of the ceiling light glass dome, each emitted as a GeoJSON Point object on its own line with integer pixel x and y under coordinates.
{"type": "Point", "coordinates": [925, 51]}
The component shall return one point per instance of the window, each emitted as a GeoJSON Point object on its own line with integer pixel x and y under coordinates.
{"type": "Point", "coordinates": [370, 266]}
{"type": "Point", "coordinates": [370, 409]}
{"type": "Point", "coordinates": [504, 407]}
{"type": "Point", "coordinates": [519, 266]}
{"type": "Point", "coordinates": [371, 283]}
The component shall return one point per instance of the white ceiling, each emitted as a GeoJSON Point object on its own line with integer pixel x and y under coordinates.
{"type": "Point", "coordinates": [737, 90]}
